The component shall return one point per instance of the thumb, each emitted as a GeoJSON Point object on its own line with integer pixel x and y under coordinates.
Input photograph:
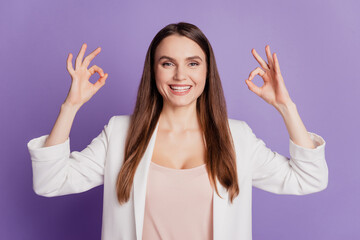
{"type": "Point", "coordinates": [101, 82]}
{"type": "Point", "coordinates": [253, 87]}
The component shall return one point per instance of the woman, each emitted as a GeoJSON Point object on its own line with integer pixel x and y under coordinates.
{"type": "Point", "coordinates": [178, 168]}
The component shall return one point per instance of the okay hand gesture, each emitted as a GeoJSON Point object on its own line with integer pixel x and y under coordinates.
{"type": "Point", "coordinates": [273, 91]}
{"type": "Point", "coordinates": [82, 89]}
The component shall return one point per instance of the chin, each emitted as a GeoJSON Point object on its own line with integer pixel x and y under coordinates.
{"type": "Point", "coordinates": [181, 103]}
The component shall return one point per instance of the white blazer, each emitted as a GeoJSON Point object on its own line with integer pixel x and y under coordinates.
{"type": "Point", "coordinates": [58, 171]}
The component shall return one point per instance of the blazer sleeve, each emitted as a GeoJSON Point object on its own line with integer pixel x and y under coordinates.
{"type": "Point", "coordinates": [303, 173]}
{"type": "Point", "coordinates": [57, 171]}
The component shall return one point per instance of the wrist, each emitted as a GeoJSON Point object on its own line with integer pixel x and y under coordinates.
{"type": "Point", "coordinates": [68, 107]}
{"type": "Point", "coordinates": [287, 108]}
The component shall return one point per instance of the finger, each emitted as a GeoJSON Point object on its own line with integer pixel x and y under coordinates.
{"type": "Point", "coordinates": [91, 56]}
{"type": "Point", "coordinates": [262, 63]}
{"type": "Point", "coordinates": [80, 56]}
{"type": "Point", "coordinates": [253, 87]}
{"type": "Point", "coordinates": [69, 65]}
{"type": "Point", "coordinates": [100, 82]}
{"type": "Point", "coordinates": [256, 71]}
{"type": "Point", "coordinates": [277, 66]}
{"type": "Point", "coordinates": [269, 57]}
{"type": "Point", "coordinates": [250, 84]}
{"type": "Point", "coordinates": [97, 69]}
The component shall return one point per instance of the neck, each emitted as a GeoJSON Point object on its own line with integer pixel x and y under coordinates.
{"type": "Point", "coordinates": [179, 118]}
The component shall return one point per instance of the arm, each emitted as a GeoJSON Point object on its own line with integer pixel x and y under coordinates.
{"type": "Point", "coordinates": [61, 129]}
{"type": "Point", "coordinates": [58, 171]}
{"type": "Point", "coordinates": [80, 92]}
{"type": "Point", "coordinates": [297, 131]}
{"type": "Point", "coordinates": [303, 173]}
{"type": "Point", "coordinates": [306, 170]}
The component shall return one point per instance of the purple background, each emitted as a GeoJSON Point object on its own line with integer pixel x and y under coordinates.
{"type": "Point", "coordinates": [317, 43]}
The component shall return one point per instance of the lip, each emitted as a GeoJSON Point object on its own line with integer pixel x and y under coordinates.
{"type": "Point", "coordinates": [180, 93]}
{"type": "Point", "coordinates": [180, 85]}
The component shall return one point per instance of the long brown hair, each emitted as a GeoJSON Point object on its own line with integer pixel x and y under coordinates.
{"type": "Point", "coordinates": [211, 111]}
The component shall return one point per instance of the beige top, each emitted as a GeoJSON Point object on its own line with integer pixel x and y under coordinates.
{"type": "Point", "coordinates": [187, 211]}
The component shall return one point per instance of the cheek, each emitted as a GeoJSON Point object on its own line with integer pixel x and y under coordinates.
{"type": "Point", "coordinates": [161, 80]}
{"type": "Point", "coordinates": [161, 77]}
{"type": "Point", "coordinates": [200, 78]}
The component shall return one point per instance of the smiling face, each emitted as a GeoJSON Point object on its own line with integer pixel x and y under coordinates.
{"type": "Point", "coordinates": [180, 70]}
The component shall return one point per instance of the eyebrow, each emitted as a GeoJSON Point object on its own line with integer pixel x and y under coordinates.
{"type": "Point", "coordinates": [188, 58]}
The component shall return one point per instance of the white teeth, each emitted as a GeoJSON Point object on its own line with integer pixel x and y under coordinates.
{"type": "Point", "coordinates": [180, 88]}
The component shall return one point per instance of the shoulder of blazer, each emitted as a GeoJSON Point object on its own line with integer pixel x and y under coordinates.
{"type": "Point", "coordinates": [119, 124]}
{"type": "Point", "coordinates": [237, 126]}
{"type": "Point", "coordinates": [120, 119]}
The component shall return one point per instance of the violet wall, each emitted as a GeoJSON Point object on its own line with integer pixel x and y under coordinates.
{"type": "Point", "coordinates": [318, 47]}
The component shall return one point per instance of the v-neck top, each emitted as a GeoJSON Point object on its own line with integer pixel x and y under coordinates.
{"type": "Point", "coordinates": [178, 204]}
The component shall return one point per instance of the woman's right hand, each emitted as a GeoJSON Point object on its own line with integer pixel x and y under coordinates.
{"type": "Point", "coordinates": [82, 89]}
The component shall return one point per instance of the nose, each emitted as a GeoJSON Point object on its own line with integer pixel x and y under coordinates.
{"type": "Point", "coordinates": [180, 73]}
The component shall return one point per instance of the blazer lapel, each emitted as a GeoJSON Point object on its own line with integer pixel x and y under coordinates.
{"type": "Point", "coordinates": [220, 206]}
{"type": "Point", "coordinates": [139, 185]}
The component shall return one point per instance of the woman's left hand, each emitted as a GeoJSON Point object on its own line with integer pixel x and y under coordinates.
{"type": "Point", "coordinates": [273, 91]}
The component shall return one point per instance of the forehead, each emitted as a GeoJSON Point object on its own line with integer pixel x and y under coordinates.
{"type": "Point", "coordinates": [178, 47]}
